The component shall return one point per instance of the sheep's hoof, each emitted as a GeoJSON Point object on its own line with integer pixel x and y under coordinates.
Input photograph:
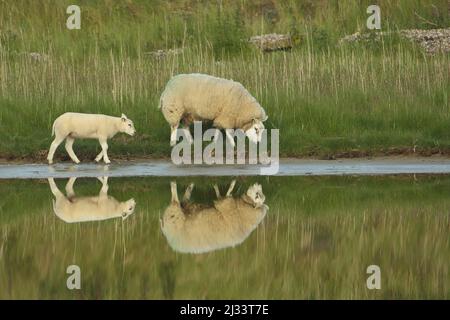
{"type": "Point", "coordinates": [107, 161]}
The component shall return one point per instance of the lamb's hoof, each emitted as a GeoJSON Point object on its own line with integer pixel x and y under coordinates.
{"type": "Point", "coordinates": [107, 162]}
{"type": "Point", "coordinates": [50, 161]}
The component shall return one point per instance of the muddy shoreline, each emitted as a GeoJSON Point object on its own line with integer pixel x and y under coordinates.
{"type": "Point", "coordinates": [393, 153]}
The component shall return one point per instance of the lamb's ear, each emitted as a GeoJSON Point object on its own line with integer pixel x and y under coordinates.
{"type": "Point", "coordinates": [124, 117]}
{"type": "Point", "coordinates": [265, 118]}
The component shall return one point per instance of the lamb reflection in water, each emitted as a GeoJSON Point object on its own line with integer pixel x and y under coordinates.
{"type": "Point", "coordinates": [199, 228]}
{"type": "Point", "coordinates": [70, 208]}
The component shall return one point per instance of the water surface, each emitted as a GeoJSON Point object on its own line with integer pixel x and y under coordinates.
{"type": "Point", "coordinates": [316, 239]}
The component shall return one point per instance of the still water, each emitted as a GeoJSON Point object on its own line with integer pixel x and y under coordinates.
{"type": "Point", "coordinates": [225, 237]}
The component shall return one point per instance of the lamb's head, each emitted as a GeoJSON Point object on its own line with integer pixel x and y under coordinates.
{"type": "Point", "coordinates": [255, 130]}
{"type": "Point", "coordinates": [128, 208]}
{"type": "Point", "coordinates": [255, 193]}
{"type": "Point", "coordinates": [127, 126]}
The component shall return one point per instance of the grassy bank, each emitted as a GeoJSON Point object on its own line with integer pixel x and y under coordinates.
{"type": "Point", "coordinates": [315, 242]}
{"type": "Point", "coordinates": [325, 99]}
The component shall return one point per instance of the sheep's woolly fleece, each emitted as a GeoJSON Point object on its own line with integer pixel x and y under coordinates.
{"type": "Point", "coordinates": [197, 228]}
{"type": "Point", "coordinates": [202, 97]}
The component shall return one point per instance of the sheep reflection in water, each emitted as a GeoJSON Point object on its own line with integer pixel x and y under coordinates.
{"type": "Point", "coordinates": [71, 208]}
{"type": "Point", "coordinates": [199, 228]}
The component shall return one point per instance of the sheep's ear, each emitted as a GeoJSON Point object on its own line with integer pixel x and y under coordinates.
{"type": "Point", "coordinates": [124, 117]}
{"type": "Point", "coordinates": [265, 118]}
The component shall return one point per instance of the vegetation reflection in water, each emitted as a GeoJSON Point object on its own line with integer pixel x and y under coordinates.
{"type": "Point", "coordinates": [316, 240]}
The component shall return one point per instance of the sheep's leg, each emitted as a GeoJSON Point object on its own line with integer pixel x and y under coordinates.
{"type": "Point", "coordinates": [230, 138]}
{"type": "Point", "coordinates": [188, 192]}
{"type": "Point", "coordinates": [173, 135]}
{"type": "Point", "coordinates": [104, 146]}
{"type": "Point", "coordinates": [105, 187]}
{"type": "Point", "coordinates": [53, 147]}
{"type": "Point", "coordinates": [69, 149]}
{"type": "Point", "coordinates": [99, 156]}
{"type": "Point", "coordinates": [216, 189]}
{"type": "Point", "coordinates": [230, 189]}
{"type": "Point", "coordinates": [174, 192]}
{"type": "Point", "coordinates": [188, 135]}
{"type": "Point", "coordinates": [216, 135]}
{"type": "Point", "coordinates": [54, 188]}
{"type": "Point", "coordinates": [69, 187]}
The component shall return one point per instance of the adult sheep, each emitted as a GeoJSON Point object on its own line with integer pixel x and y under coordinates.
{"type": "Point", "coordinates": [72, 125]}
{"type": "Point", "coordinates": [198, 97]}
{"type": "Point", "coordinates": [198, 228]}
{"type": "Point", "coordinates": [70, 208]}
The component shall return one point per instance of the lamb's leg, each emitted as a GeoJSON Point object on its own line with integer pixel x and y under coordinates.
{"type": "Point", "coordinates": [174, 192]}
{"type": "Point", "coordinates": [53, 147]}
{"type": "Point", "coordinates": [54, 188]}
{"type": "Point", "coordinates": [230, 189]}
{"type": "Point", "coordinates": [216, 189]}
{"type": "Point", "coordinates": [188, 192]}
{"type": "Point", "coordinates": [104, 145]}
{"type": "Point", "coordinates": [69, 187]}
{"type": "Point", "coordinates": [173, 135]}
{"type": "Point", "coordinates": [230, 138]}
{"type": "Point", "coordinates": [69, 149]}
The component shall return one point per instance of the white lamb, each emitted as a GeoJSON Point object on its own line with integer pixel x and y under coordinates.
{"type": "Point", "coordinates": [71, 125]}
{"type": "Point", "coordinates": [198, 228]}
{"type": "Point", "coordinates": [80, 209]}
{"type": "Point", "coordinates": [198, 97]}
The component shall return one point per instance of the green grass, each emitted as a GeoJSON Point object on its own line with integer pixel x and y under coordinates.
{"type": "Point", "coordinates": [316, 242]}
{"type": "Point", "coordinates": [325, 99]}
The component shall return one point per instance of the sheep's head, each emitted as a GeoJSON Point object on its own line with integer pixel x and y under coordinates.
{"type": "Point", "coordinates": [126, 125]}
{"type": "Point", "coordinates": [255, 193]}
{"type": "Point", "coordinates": [172, 220]}
{"type": "Point", "coordinates": [254, 132]}
{"type": "Point", "coordinates": [128, 208]}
